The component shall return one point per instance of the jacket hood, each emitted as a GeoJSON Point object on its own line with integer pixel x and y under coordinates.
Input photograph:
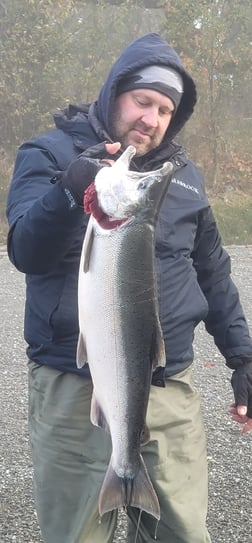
{"type": "Point", "coordinates": [147, 50]}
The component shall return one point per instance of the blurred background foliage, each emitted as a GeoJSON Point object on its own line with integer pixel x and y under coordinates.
{"type": "Point", "coordinates": [54, 52]}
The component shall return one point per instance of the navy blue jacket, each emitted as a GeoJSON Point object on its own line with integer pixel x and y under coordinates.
{"type": "Point", "coordinates": [46, 234]}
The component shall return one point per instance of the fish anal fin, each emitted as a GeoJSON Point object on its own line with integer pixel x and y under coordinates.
{"type": "Point", "coordinates": [81, 357]}
{"type": "Point", "coordinates": [118, 492]}
{"type": "Point", "coordinates": [97, 415]}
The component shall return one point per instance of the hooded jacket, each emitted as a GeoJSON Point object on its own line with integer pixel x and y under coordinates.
{"type": "Point", "coordinates": [46, 233]}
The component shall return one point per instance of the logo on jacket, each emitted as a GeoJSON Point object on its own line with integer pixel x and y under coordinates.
{"type": "Point", "coordinates": [184, 185]}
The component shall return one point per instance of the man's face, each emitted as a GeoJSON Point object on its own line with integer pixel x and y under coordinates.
{"type": "Point", "coordinates": [141, 118]}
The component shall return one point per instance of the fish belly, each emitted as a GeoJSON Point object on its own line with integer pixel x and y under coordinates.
{"type": "Point", "coordinates": [120, 328]}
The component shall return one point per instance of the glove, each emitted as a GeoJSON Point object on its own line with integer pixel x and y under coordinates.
{"type": "Point", "coordinates": [241, 381]}
{"type": "Point", "coordinates": [82, 171]}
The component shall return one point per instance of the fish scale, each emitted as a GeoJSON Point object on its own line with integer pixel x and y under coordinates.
{"type": "Point", "coordinates": [120, 333]}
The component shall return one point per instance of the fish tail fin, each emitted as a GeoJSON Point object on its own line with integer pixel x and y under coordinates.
{"type": "Point", "coordinates": [118, 492]}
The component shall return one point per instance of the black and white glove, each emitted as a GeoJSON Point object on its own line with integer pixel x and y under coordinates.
{"type": "Point", "coordinates": [82, 171]}
{"type": "Point", "coordinates": [241, 381]}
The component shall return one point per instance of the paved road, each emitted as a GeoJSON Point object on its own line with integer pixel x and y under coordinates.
{"type": "Point", "coordinates": [229, 452]}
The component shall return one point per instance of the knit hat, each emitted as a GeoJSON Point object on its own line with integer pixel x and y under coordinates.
{"type": "Point", "coordinates": [159, 78]}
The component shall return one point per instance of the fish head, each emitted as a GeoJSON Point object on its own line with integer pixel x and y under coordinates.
{"type": "Point", "coordinates": [152, 189]}
{"type": "Point", "coordinates": [116, 191]}
{"type": "Point", "coordinates": [123, 193]}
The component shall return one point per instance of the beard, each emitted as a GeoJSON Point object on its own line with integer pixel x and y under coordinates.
{"type": "Point", "coordinates": [136, 133]}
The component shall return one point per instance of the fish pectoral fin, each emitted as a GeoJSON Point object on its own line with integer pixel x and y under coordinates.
{"type": "Point", "coordinates": [87, 245]}
{"type": "Point", "coordinates": [118, 492]}
{"type": "Point", "coordinates": [97, 415]}
{"type": "Point", "coordinates": [157, 354]}
{"type": "Point", "coordinates": [81, 357]}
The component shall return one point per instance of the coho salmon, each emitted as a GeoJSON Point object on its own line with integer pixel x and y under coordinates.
{"type": "Point", "coordinates": [120, 332]}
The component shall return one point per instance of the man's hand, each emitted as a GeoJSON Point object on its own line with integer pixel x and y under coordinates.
{"type": "Point", "coordinates": [241, 381]}
{"type": "Point", "coordinates": [101, 150]}
{"type": "Point", "coordinates": [239, 415]}
{"type": "Point", "coordinates": [82, 170]}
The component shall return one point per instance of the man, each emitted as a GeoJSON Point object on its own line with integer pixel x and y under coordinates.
{"type": "Point", "coordinates": [146, 99]}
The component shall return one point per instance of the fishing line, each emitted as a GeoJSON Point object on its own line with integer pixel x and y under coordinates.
{"type": "Point", "coordinates": [138, 524]}
{"type": "Point", "coordinates": [155, 535]}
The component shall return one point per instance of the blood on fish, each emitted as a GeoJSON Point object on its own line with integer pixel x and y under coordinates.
{"type": "Point", "coordinates": [91, 207]}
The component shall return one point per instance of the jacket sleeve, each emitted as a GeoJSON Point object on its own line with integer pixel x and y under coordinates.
{"type": "Point", "coordinates": [42, 223]}
{"type": "Point", "coordinates": [225, 321]}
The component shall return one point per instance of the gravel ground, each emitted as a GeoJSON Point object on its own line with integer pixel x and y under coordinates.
{"type": "Point", "coordinates": [229, 452]}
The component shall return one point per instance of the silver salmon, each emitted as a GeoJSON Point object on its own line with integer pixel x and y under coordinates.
{"type": "Point", "coordinates": [120, 332]}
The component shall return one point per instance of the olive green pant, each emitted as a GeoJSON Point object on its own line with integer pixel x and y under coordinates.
{"type": "Point", "coordinates": [70, 457]}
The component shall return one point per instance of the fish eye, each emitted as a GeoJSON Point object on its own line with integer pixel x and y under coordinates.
{"type": "Point", "coordinates": [142, 185]}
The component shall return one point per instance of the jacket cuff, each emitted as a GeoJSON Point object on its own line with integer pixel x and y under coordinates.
{"type": "Point", "coordinates": [238, 361]}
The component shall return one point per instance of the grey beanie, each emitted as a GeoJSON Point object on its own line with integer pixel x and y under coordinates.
{"type": "Point", "coordinates": [159, 78]}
